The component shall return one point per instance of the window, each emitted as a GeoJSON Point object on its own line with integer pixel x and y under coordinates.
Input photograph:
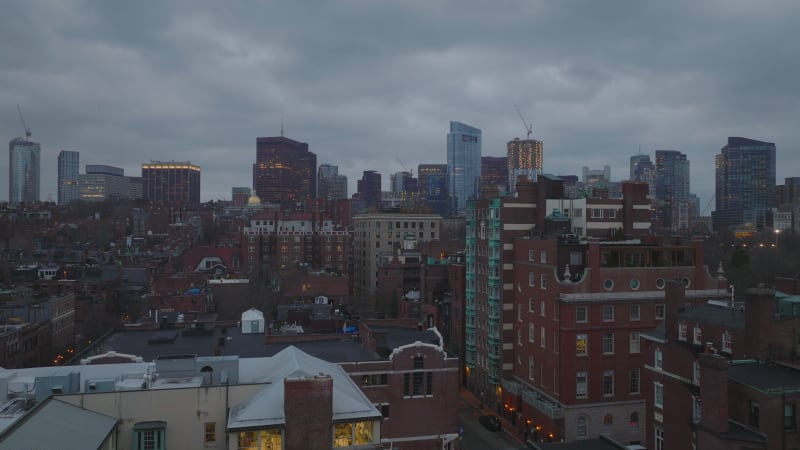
{"type": "Point", "coordinates": [580, 384]}
{"type": "Point", "coordinates": [575, 258]}
{"type": "Point", "coordinates": [696, 372]}
{"type": "Point", "coordinates": [727, 342]}
{"type": "Point", "coordinates": [542, 311]}
{"type": "Point", "coordinates": [210, 436]}
{"type": "Point", "coordinates": [697, 335]}
{"type": "Point", "coordinates": [634, 312]}
{"type": "Point", "coordinates": [543, 257]}
{"type": "Point", "coordinates": [543, 337]}
{"type": "Point", "coordinates": [417, 380]}
{"type": "Point", "coordinates": [582, 427]}
{"type": "Point", "coordinates": [580, 314]}
{"type": "Point", "coordinates": [608, 383]}
{"type": "Point", "coordinates": [597, 213]}
{"type": "Point", "coordinates": [635, 381]}
{"type": "Point", "coordinates": [634, 344]}
{"type": "Point", "coordinates": [789, 420]}
{"type": "Point", "coordinates": [519, 313]}
{"type": "Point", "coordinates": [754, 414]}
{"type": "Point", "coordinates": [608, 343]}
{"type": "Point", "coordinates": [682, 332]}
{"type": "Point", "coordinates": [351, 433]}
{"type": "Point", "coordinates": [658, 390]}
{"type": "Point", "coordinates": [581, 344]}
{"type": "Point", "coordinates": [608, 420]}
{"type": "Point", "coordinates": [385, 406]}
{"type": "Point", "coordinates": [660, 312]}
{"type": "Point", "coordinates": [419, 362]}
{"type": "Point", "coordinates": [543, 281]}
{"type": "Point", "coordinates": [531, 332]}
{"type": "Point", "coordinates": [406, 384]}
{"type": "Point", "coordinates": [659, 439]}
{"type": "Point", "coordinates": [531, 368]}
{"type": "Point", "coordinates": [531, 254]}
{"type": "Point", "coordinates": [531, 279]}
{"type": "Point", "coordinates": [608, 313]}
{"type": "Point", "coordinates": [608, 284]}
{"type": "Point", "coordinates": [531, 305]}
{"type": "Point", "coordinates": [429, 383]}
{"type": "Point", "coordinates": [634, 419]}
{"type": "Point", "coordinates": [149, 435]}
{"type": "Point", "coordinates": [696, 411]}
{"type": "Point", "coordinates": [657, 359]}
{"type": "Point", "coordinates": [577, 212]}
{"type": "Point", "coordinates": [519, 337]}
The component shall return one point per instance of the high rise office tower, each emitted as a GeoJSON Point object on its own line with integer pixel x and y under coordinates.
{"type": "Point", "coordinates": [331, 185]}
{"type": "Point", "coordinates": [644, 171]}
{"type": "Point", "coordinates": [240, 195]}
{"type": "Point", "coordinates": [745, 183]}
{"type": "Point", "coordinates": [433, 188]}
{"type": "Point", "coordinates": [23, 171]}
{"type": "Point", "coordinates": [369, 188]}
{"type": "Point", "coordinates": [463, 164]}
{"type": "Point", "coordinates": [173, 183]}
{"type": "Point", "coordinates": [406, 188]}
{"type": "Point", "coordinates": [102, 182]}
{"type": "Point", "coordinates": [285, 171]}
{"type": "Point", "coordinates": [68, 170]}
{"type": "Point", "coordinates": [494, 172]}
{"type": "Point", "coordinates": [525, 158]}
{"type": "Point", "coordinates": [672, 190]}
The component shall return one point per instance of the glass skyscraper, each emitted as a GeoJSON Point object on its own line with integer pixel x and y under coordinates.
{"type": "Point", "coordinates": [23, 171]}
{"type": "Point", "coordinates": [672, 190]}
{"type": "Point", "coordinates": [745, 183]}
{"type": "Point", "coordinates": [68, 171]}
{"type": "Point", "coordinates": [463, 164]}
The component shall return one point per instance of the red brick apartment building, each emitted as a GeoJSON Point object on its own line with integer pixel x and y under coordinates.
{"type": "Point", "coordinates": [723, 376]}
{"type": "Point", "coordinates": [579, 308]}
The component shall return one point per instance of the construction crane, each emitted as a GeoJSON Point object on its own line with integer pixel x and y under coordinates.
{"type": "Point", "coordinates": [528, 128]}
{"type": "Point", "coordinates": [22, 119]}
{"type": "Point", "coordinates": [404, 166]}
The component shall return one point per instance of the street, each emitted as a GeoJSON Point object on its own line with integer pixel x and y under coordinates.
{"type": "Point", "coordinates": [476, 437]}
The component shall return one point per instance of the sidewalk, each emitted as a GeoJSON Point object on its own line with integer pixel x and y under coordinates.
{"type": "Point", "coordinates": [508, 428]}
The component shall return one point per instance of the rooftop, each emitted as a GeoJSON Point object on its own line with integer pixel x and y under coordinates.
{"type": "Point", "coordinates": [712, 314]}
{"type": "Point", "coordinates": [767, 378]}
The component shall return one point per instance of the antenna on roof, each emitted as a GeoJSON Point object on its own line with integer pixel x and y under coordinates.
{"type": "Point", "coordinates": [281, 125]}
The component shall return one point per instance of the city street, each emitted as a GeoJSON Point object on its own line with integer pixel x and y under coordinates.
{"type": "Point", "coordinates": [476, 437]}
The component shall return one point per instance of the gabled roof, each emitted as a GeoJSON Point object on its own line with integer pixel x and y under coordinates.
{"type": "Point", "coordinates": [265, 409]}
{"type": "Point", "coordinates": [57, 424]}
{"type": "Point", "coordinates": [252, 314]}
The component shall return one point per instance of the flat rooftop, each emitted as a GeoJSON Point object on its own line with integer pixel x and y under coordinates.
{"type": "Point", "coordinates": [150, 344]}
{"type": "Point", "coordinates": [768, 378]}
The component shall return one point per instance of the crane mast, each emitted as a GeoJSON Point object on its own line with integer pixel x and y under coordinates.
{"type": "Point", "coordinates": [25, 127]}
{"type": "Point", "coordinates": [528, 128]}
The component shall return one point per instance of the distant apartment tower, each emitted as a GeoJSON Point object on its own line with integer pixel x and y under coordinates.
{"type": "Point", "coordinates": [331, 185]}
{"type": "Point", "coordinates": [240, 195]}
{"type": "Point", "coordinates": [494, 172]}
{"type": "Point", "coordinates": [594, 176]}
{"type": "Point", "coordinates": [285, 171]}
{"type": "Point", "coordinates": [644, 171]}
{"type": "Point", "coordinates": [23, 171]}
{"type": "Point", "coordinates": [369, 188]}
{"type": "Point", "coordinates": [745, 183]}
{"type": "Point", "coordinates": [525, 158]}
{"type": "Point", "coordinates": [433, 191]}
{"type": "Point", "coordinates": [174, 183]}
{"type": "Point", "coordinates": [672, 190]}
{"type": "Point", "coordinates": [68, 171]}
{"type": "Point", "coordinates": [463, 164]}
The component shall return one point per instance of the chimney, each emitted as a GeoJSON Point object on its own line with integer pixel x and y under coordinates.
{"type": "Point", "coordinates": [674, 300]}
{"type": "Point", "coordinates": [759, 317]}
{"type": "Point", "coordinates": [713, 393]}
{"type": "Point", "coordinates": [308, 410]}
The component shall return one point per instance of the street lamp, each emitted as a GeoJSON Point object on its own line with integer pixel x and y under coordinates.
{"type": "Point", "coordinates": [777, 233]}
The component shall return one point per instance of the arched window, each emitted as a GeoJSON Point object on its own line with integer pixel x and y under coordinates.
{"type": "Point", "coordinates": [634, 419]}
{"type": "Point", "coordinates": [582, 427]}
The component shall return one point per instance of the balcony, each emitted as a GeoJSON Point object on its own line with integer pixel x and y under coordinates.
{"type": "Point", "coordinates": [547, 407]}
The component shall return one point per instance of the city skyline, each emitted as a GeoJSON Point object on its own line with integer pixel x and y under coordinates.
{"type": "Point", "coordinates": [123, 94]}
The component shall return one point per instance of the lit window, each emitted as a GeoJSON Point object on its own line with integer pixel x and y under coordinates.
{"type": "Point", "coordinates": [210, 436]}
{"type": "Point", "coordinates": [581, 344]}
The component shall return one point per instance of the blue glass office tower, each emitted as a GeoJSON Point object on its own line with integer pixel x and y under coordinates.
{"type": "Point", "coordinates": [23, 171]}
{"type": "Point", "coordinates": [463, 164]}
{"type": "Point", "coordinates": [745, 183]}
{"type": "Point", "coordinates": [68, 171]}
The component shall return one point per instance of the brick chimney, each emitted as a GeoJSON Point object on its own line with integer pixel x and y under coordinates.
{"type": "Point", "coordinates": [713, 394]}
{"type": "Point", "coordinates": [674, 300]}
{"type": "Point", "coordinates": [308, 409]}
{"type": "Point", "coordinates": [759, 318]}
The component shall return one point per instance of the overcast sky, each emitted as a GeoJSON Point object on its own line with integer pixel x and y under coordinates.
{"type": "Point", "coordinates": [367, 82]}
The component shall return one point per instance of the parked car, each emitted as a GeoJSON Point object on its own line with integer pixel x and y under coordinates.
{"type": "Point", "coordinates": [491, 423]}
